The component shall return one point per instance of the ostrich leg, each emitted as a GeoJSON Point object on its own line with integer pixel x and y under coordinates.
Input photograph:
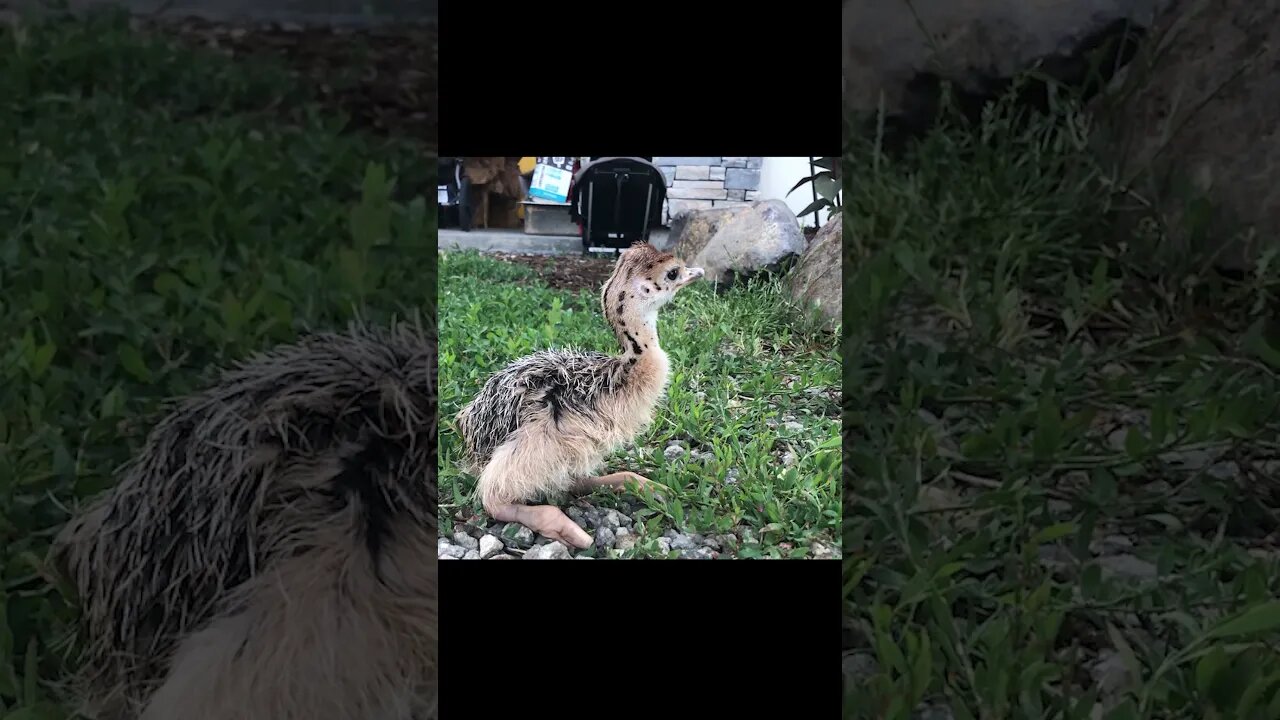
{"type": "Point", "coordinates": [545, 520]}
{"type": "Point", "coordinates": [511, 477]}
{"type": "Point", "coordinates": [613, 480]}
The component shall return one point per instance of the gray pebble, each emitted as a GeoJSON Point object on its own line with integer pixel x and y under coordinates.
{"type": "Point", "coordinates": [672, 452]}
{"type": "Point", "coordinates": [462, 538]}
{"type": "Point", "coordinates": [489, 546]}
{"type": "Point", "coordinates": [683, 542]}
{"type": "Point", "coordinates": [610, 519]}
{"type": "Point", "coordinates": [550, 551]}
{"type": "Point", "coordinates": [621, 532]}
{"type": "Point", "coordinates": [859, 667]}
{"type": "Point", "coordinates": [449, 551]}
{"type": "Point", "coordinates": [625, 542]}
{"type": "Point", "coordinates": [701, 553]}
{"type": "Point", "coordinates": [928, 711]}
{"type": "Point", "coordinates": [517, 535]}
{"type": "Point", "coordinates": [664, 546]}
{"type": "Point", "coordinates": [604, 538]}
{"type": "Point", "coordinates": [1110, 672]}
{"type": "Point", "coordinates": [1059, 507]}
{"type": "Point", "coordinates": [1195, 459]}
{"type": "Point", "coordinates": [821, 551]}
{"type": "Point", "coordinates": [472, 555]}
{"type": "Point", "coordinates": [503, 556]}
{"type": "Point", "coordinates": [584, 557]}
{"type": "Point", "coordinates": [792, 426]}
{"type": "Point", "coordinates": [1127, 566]}
{"type": "Point", "coordinates": [1114, 370]}
{"type": "Point", "coordinates": [1224, 470]}
{"type": "Point", "coordinates": [1056, 558]}
{"type": "Point", "coordinates": [788, 459]}
{"type": "Point", "coordinates": [1111, 544]}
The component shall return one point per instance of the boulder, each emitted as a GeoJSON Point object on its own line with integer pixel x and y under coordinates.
{"type": "Point", "coordinates": [735, 243]}
{"type": "Point", "coordinates": [902, 52]}
{"type": "Point", "coordinates": [1195, 120]}
{"type": "Point", "coordinates": [815, 281]}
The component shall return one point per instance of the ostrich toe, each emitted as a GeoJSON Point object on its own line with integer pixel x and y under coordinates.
{"type": "Point", "coordinates": [546, 520]}
{"type": "Point", "coordinates": [616, 480]}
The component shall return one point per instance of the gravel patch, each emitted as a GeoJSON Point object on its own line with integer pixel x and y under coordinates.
{"type": "Point", "coordinates": [617, 532]}
{"type": "Point", "coordinates": [550, 551]}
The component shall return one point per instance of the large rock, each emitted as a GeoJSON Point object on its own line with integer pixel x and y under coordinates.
{"type": "Point", "coordinates": [732, 244]}
{"type": "Point", "coordinates": [902, 51]}
{"type": "Point", "coordinates": [1199, 121]}
{"type": "Point", "coordinates": [816, 278]}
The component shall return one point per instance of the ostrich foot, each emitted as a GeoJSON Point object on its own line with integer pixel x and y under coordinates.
{"type": "Point", "coordinates": [546, 520]}
{"type": "Point", "coordinates": [614, 480]}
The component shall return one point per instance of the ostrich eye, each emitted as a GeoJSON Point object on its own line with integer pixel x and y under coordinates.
{"type": "Point", "coordinates": [672, 273]}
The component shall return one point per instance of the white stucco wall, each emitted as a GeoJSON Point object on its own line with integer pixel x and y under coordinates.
{"type": "Point", "coordinates": [778, 175]}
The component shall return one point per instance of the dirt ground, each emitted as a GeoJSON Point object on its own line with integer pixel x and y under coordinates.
{"type": "Point", "coordinates": [574, 272]}
{"type": "Point", "coordinates": [383, 77]}
{"type": "Point", "coordinates": [565, 272]}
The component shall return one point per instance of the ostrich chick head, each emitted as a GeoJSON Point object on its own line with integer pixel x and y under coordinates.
{"type": "Point", "coordinates": [643, 281]}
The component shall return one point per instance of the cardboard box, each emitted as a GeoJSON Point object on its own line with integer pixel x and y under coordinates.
{"type": "Point", "coordinates": [542, 218]}
{"type": "Point", "coordinates": [551, 178]}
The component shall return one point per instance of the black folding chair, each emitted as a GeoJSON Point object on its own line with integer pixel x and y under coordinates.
{"type": "Point", "coordinates": [616, 201]}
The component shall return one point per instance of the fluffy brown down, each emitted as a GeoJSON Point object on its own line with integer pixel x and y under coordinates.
{"type": "Point", "coordinates": [270, 553]}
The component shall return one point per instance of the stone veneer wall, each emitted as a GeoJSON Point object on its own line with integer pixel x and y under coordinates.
{"type": "Point", "coordinates": [702, 183]}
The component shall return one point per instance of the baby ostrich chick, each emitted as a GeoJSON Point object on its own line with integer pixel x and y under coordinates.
{"type": "Point", "coordinates": [543, 425]}
{"type": "Point", "coordinates": [269, 553]}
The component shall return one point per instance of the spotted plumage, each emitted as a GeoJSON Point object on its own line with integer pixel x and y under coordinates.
{"type": "Point", "coordinates": [270, 552]}
{"type": "Point", "coordinates": [552, 381]}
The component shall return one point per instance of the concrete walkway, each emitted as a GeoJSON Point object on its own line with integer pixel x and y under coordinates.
{"type": "Point", "coordinates": [515, 241]}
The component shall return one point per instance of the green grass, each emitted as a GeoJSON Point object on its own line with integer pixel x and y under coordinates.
{"type": "Point", "coordinates": [740, 363]}
{"type": "Point", "coordinates": [158, 214]}
{"type": "Point", "coordinates": [1039, 378]}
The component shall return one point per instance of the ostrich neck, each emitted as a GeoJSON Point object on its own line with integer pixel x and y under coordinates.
{"type": "Point", "coordinates": [637, 334]}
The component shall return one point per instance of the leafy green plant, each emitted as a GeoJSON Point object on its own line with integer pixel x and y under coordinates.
{"type": "Point", "coordinates": [826, 186]}
{"type": "Point", "coordinates": [158, 217]}
{"type": "Point", "coordinates": [1057, 501]}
